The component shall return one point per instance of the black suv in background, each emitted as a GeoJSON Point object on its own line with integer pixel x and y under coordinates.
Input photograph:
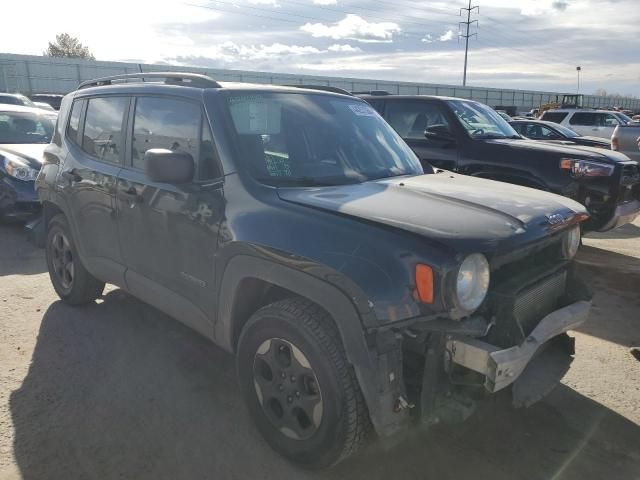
{"type": "Point", "coordinates": [294, 228]}
{"type": "Point", "coordinates": [470, 138]}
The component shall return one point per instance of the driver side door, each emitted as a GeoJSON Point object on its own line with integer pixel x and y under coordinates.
{"type": "Point", "coordinates": [410, 118]}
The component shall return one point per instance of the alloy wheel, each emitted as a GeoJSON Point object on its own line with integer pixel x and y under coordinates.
{"type": "Point", "coordinates": [287, 389]}
{"type": "Point", "coordinates": [62, 260]}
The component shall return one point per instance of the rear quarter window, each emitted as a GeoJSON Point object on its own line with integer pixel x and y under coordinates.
{"type": "Point", "coordinates": [555, 117]}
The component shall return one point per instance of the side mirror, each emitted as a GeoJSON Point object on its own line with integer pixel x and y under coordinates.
{"type": "Point", "coordinates": [166, 166]}
{"type": "Point", "coordinates": [439, 132]}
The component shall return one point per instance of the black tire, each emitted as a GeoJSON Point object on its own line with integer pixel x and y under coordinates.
{"type": "Point", "coordinates": [71, 281]}
{"type": "Point", "coordinates": [344, 424]}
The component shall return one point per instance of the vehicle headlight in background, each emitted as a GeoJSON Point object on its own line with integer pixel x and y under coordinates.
{"type": "Point", "coordinates": [17, 168]}
{"type": "Point", "coordinates": [472, 283]}
{"type": "Point", "coordinates": [571, 243]}
{"type": "Point", "coordinates": [585, 168]}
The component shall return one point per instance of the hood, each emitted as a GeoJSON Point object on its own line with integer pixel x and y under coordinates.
{"type": "Point", "coordinates": [598, 140]}
{"type": "Point", "coordinates": [572, 151]}
{"type": "Point", "coordinates": [31, 152]}
{"type": "Point", "coordinates": [470, 214]}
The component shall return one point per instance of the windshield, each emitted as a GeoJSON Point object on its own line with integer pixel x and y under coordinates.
{"type": "Point", "coordinates": [481, 121]}
{"type": "Point", "coordinates": [25, 128]}
{"type": "Point", "coordinates": [622, 117]}
{"type": "Point", "coordinates": [315, 139]}
{"type": "Point", "coordinates": [567, 132]}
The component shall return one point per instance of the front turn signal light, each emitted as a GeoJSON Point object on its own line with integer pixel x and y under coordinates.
{"type": "Point", "coordinates": [424, 283]}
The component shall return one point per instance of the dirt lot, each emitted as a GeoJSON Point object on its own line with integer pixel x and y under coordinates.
{"type": "Point", "coordinates": [118, 390]}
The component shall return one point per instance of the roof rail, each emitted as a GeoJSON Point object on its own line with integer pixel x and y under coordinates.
{"type": "Point", "coordinates": [378, 93]}
{"type": "Point", "coordinates": [170, 78]}
{"type": "Point", "coordinates": [323, 88]}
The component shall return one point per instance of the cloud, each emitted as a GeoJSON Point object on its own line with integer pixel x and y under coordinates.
{"type": "Point", "coordinates": [273, 3]}
{"type": "Point", "coordinates": [353, 27]}
{"type": "Point", "coordinates": [428, 38]}
{"type": "Point", "coordinates": [343, 48]}
{"type": "Point", "coordinates": [446, 36]}
{"type": "Point", "coordinates": [230, 50]}
{"type": "Point", "coordinates": [560, 5]}
{"type": "Point", "coordinates": [325, 2]}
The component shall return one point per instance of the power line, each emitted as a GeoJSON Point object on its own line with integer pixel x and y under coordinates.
{"type": "Point", "coordinates": [468, 24]}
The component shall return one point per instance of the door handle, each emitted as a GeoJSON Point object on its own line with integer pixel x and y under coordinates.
{"type": "Point", "coordinates": [71, 176]}
{"type": "Point", "coordinates": [131, 195]}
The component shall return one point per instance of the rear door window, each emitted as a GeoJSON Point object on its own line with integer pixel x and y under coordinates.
{"type": "Point", "coordinates": [555, 117]}
{"type": "Point", "coordinates": [583, 118]}
{"type": "Point", "coordinates": [103, 136]}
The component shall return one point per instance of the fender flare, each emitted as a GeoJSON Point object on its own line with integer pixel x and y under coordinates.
{"type": "Point", "coordinates": [333, 300]}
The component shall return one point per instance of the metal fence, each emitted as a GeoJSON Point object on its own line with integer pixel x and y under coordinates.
{"type": "Point", "coordinates": [34, 74]}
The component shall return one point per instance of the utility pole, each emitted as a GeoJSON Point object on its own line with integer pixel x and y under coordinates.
{"type": "Point", "coordinates": [578, 69]}
{"type": "Point", "coordinates": [466, 37]}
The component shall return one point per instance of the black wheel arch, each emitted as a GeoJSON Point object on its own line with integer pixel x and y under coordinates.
{"type": "Point", "coordinates": [265, 279]}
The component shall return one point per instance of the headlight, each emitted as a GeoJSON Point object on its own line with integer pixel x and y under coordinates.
{"type": "Point", "coordinates": [571, 243]}
{"type": "Point", "coordinates": [472, 283]}
{"type": "Point", "coordinates": [17, 168]}
{"type": "Point", "coordinates": [585, 168]}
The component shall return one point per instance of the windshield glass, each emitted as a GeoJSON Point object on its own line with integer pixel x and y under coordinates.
{"type": "Point", "coordinates": [25, 128]}
{"type": "Point", "coordinates": [567, 132]}
{"type": "Point", "coordinates": [314, 139]}
{"type": "Point", "coordinates": [481, 121]}
{"type": "Point", "coordinates": [622, 117]}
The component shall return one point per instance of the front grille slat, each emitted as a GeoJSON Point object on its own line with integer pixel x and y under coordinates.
{"type": "Point", "coordinates": [535, 303]}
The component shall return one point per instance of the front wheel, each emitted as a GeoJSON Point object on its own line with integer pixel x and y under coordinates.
{"type": "Point", "coordinates": [301, 392]}
{"type": "Point", "coordinates": [71, 281]}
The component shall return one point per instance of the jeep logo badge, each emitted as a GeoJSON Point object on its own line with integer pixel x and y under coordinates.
{"type": "Point", "coordinates": [555, 219]}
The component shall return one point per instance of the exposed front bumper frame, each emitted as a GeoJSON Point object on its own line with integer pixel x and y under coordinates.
{"type": "Point", "coordinates": [502, 367]}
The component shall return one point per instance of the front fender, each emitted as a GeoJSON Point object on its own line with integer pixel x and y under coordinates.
{"type": "Point", "coordinates": [378, 381]}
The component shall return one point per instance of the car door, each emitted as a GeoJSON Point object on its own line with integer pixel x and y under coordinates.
{"type": "Point", "coordinates": [595, 124]}
{"type": "Point", "coordinates": [169, 233]}
{"type": "Point", "coordinates": [95, 141]}
{"type": "Point", "coordinates": [410, 118]}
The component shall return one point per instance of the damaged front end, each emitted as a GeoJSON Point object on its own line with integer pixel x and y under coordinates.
{"type": "Point", "coordinates": [516, 343]}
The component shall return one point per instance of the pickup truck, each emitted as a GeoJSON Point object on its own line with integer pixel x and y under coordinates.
{"type": "Point", "coordinates": [470, 138]}
{"type": "Point", "coordinates": [625, 140]}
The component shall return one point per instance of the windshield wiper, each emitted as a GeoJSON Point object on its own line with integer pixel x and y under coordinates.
{"type": "Point", "coordinates": [491, 136]}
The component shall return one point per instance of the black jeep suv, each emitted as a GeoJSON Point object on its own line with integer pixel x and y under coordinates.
{"type": "Point", "coordinates": [470, 138]}
{"type": "Point", "coordinates": [294, 228]}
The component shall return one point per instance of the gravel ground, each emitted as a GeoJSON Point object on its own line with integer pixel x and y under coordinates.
{"type": "Point", "coordinates": [117, 390]}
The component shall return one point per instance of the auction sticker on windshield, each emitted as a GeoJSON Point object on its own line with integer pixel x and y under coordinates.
{"type": "Point", "coordinates": [362, 110]}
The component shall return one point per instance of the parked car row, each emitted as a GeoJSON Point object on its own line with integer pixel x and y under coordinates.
{"type": "Point", "coordinates": [372, 261]}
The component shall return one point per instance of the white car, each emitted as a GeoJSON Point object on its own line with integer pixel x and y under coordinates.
{"type": "Point", "coordinates": [595, 123]}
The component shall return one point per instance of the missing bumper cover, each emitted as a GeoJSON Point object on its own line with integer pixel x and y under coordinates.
{"type": "Point", "coordinates": [501, 367]}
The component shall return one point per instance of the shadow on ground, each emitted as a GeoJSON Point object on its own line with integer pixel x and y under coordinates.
{"type": "Point", "coordinates": [18, 255]}
{"type": "Point", "coordinates": [628, 231]}
{"type": "Point", "coordinates": [118, 390]}
{"type": "Point", "coordinates": [615, 281]}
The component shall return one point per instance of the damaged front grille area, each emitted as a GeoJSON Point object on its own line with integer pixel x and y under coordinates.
{"type": "Point", "coordinates": [524, 292]}
{"type": "Point", "coordinates": [534, 303]}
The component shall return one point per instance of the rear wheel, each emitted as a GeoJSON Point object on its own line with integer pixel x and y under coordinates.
{"type": "Point", "coordinates": [300, 390]}
{"type": "Point", "coordinates": [71, 281]}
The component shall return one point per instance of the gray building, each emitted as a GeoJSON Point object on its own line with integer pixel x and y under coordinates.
{"type": "Point", "coordinates": [35, 74]}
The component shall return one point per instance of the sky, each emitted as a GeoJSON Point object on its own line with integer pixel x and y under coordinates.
{"type": "Point", "coordinates": [527, 44]}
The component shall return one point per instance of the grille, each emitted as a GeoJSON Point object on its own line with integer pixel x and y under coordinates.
{"type": "Point", "coordinates": [630, 174]}
{"type": "Point", "coordinates": [533, 304]}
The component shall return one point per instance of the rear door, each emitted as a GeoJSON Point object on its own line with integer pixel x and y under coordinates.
{"type": "Point", "coordinates": [410, 118]}
{"type": "Point", "coordinates": [169, 233]}
{"type": "Point", "coordinates": [95, 139]}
